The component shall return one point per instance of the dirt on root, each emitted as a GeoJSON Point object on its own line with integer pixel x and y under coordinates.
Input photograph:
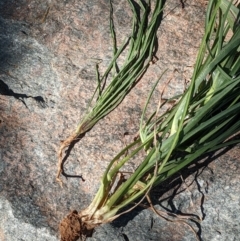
{"type": "Point", "coordinates": [70, 227]}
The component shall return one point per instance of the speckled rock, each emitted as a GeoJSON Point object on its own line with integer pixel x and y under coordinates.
{"type": "Point", "coordinates": [48, 51]}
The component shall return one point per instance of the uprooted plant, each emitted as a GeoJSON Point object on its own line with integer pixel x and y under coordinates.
{"type": "Point", "coordinates": [140, 53]}
{"type": "Point", "coordinates": [203, 120]}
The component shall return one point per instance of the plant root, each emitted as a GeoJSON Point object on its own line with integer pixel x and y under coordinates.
{"type": "Point", "coordinates": [63, 145]}
{"type": "Point", "coordinates": [179, 218]}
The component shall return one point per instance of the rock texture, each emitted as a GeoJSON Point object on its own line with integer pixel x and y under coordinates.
{"type": "Point", "coordinates": [48, 51]}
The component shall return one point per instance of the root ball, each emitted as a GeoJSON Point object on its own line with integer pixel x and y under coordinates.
{"type": "Point", "coordinates": [70, 227]}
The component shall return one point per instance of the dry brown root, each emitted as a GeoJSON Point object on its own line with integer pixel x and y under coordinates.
{"type": "Point", "coordinates": [63, 145]}
{"type": "Point", "coordinates": [164, 215]}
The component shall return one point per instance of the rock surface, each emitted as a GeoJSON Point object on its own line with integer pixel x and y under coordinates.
{"type": "Point", "coordinates": [48, 51]}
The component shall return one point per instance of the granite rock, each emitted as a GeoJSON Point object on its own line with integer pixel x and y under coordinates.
{"type": "Point", "coordinates": [48, 51]}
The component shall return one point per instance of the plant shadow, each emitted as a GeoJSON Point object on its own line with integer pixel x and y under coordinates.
{"type": "Point", "coordinates": [5, 90]}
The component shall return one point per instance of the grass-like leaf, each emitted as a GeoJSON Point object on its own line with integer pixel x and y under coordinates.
{"type": "Point", "coordinates": [141, 47]}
